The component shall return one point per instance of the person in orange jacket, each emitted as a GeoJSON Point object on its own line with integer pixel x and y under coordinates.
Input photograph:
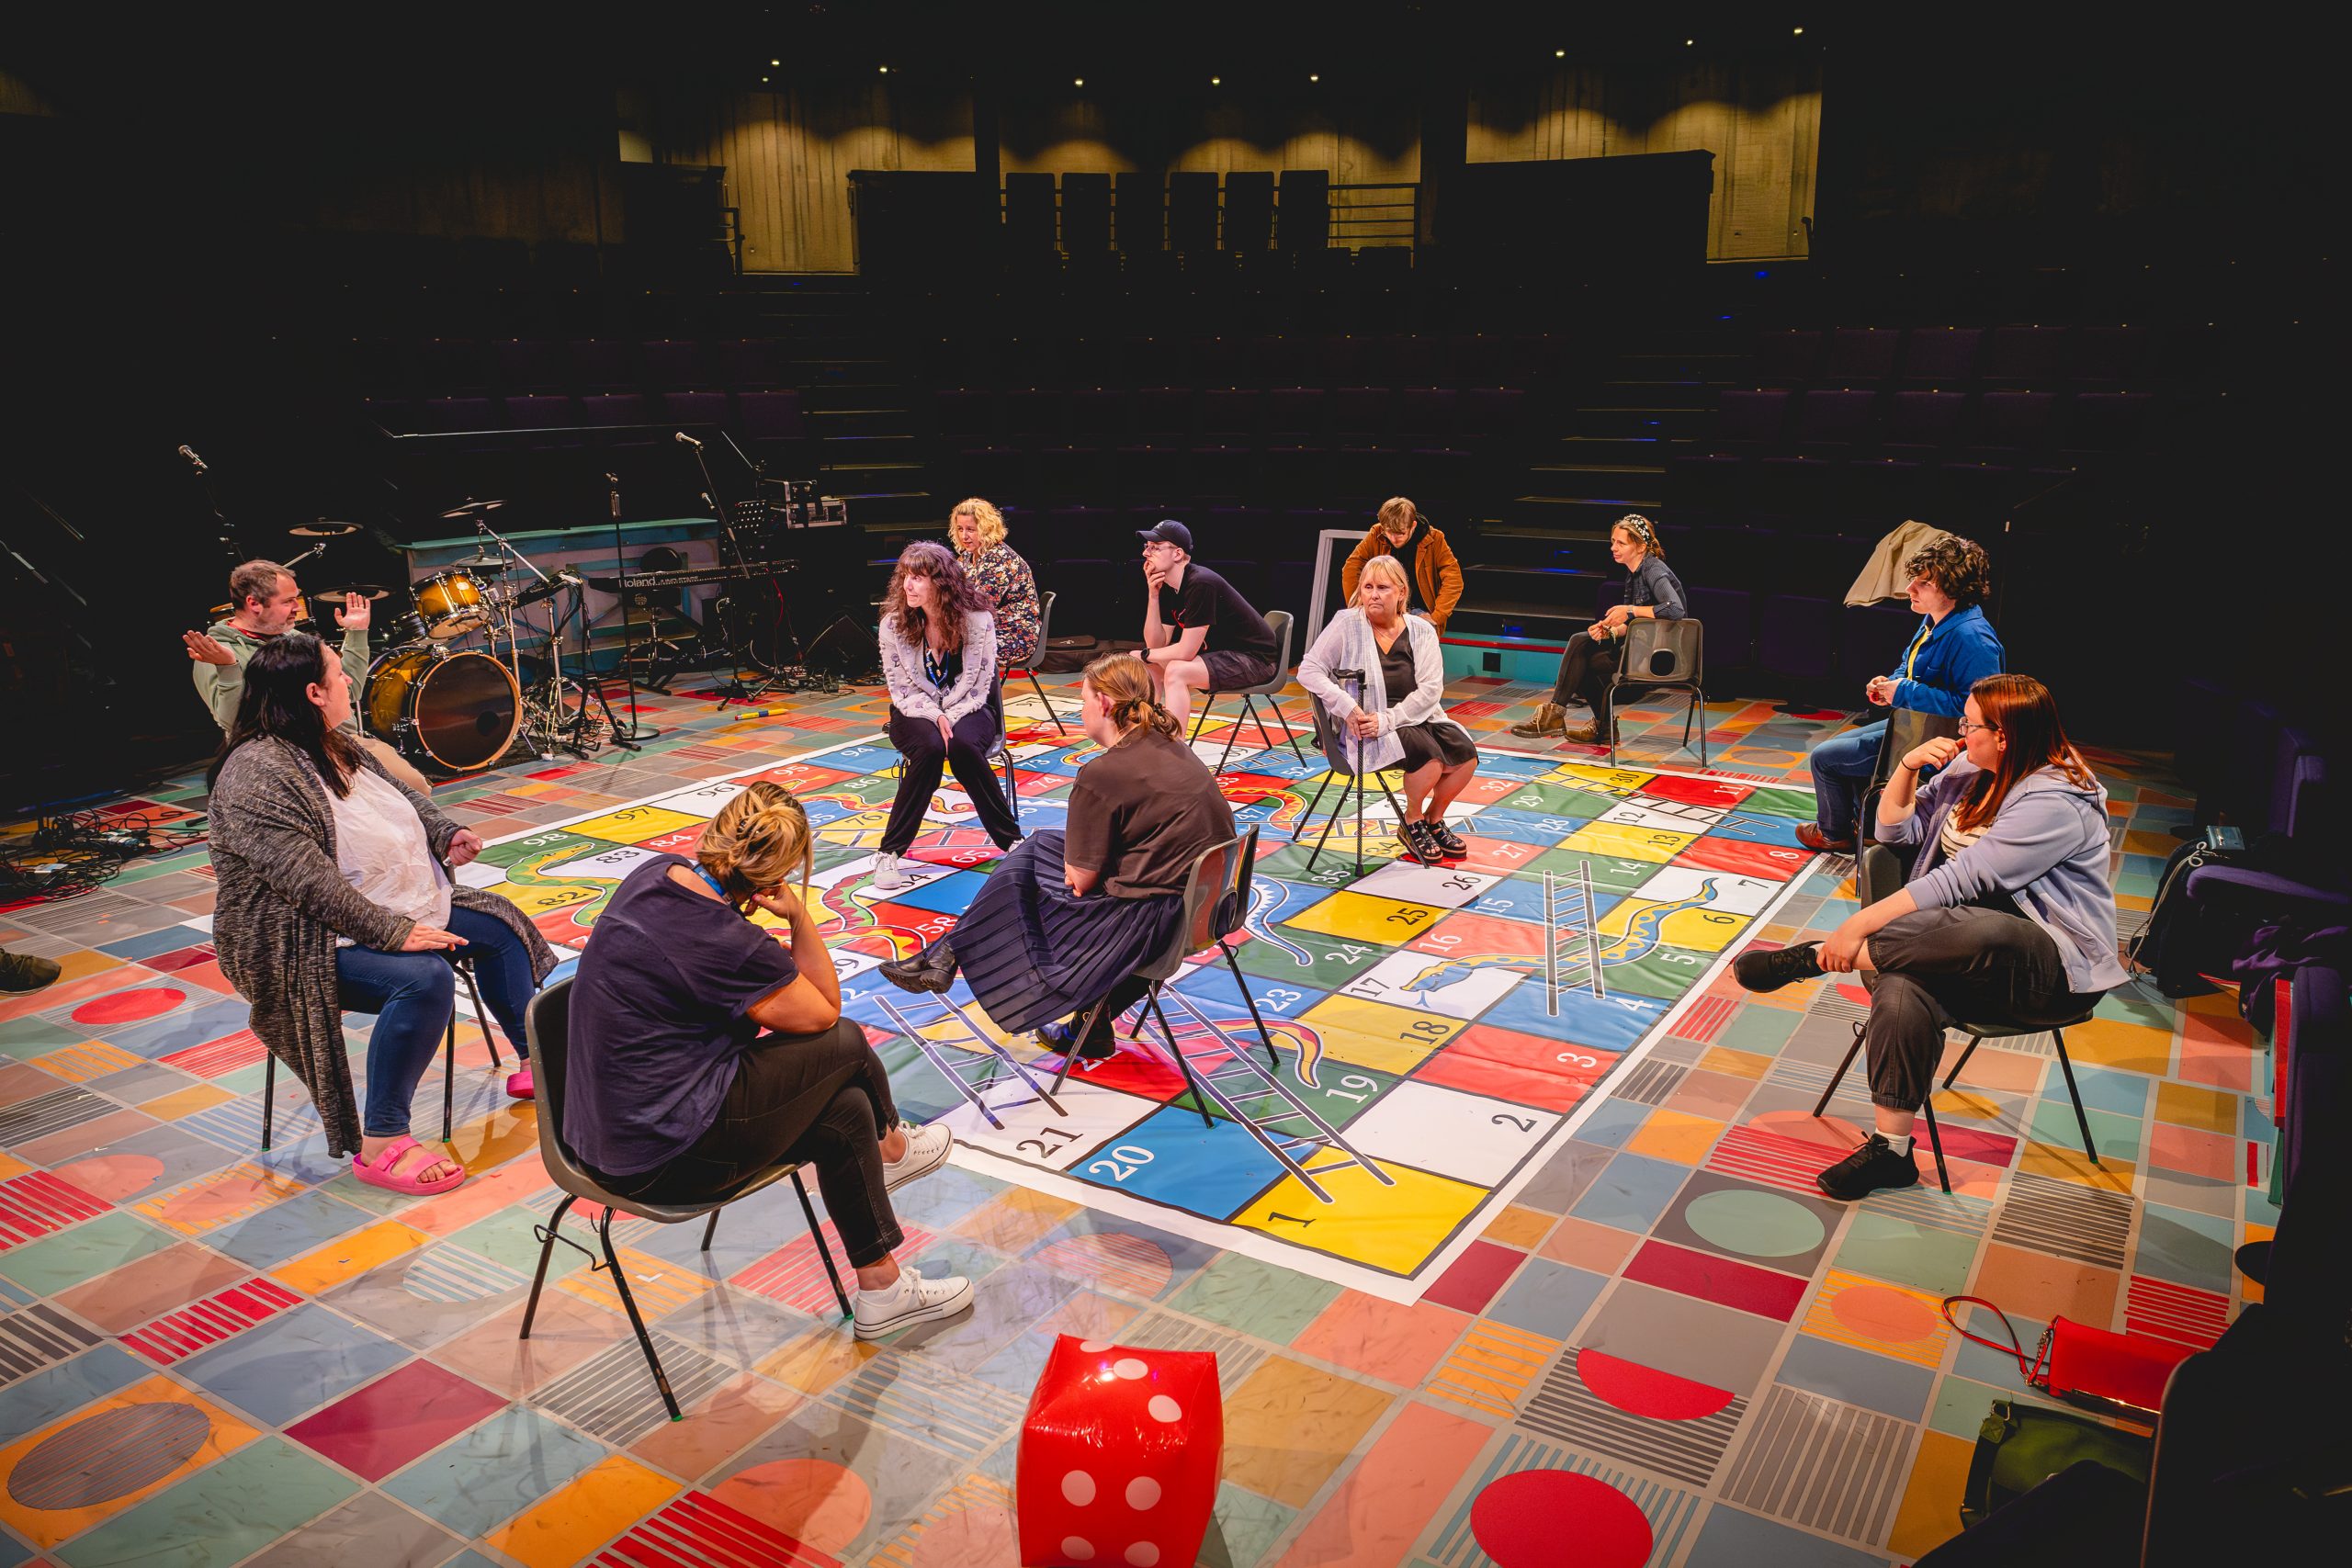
{"type": "Point", "coordinates": [1429, 561]}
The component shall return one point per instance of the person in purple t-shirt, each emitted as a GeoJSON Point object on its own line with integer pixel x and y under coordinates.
{"type": "Point", "coordinates": [705, 1051]}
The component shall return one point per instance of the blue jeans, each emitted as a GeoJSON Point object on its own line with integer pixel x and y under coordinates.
{"type": "Point", "coordinates": [1842, 766]}
{"type": "Point", "coordinates": [413, 995]}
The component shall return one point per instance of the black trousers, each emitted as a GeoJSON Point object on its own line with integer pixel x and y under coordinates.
{"type": "Point", "coordinates": [1941, 967]}
{"type": "Point", "coordinates": [919, 741]}
{"type": "Point", "coordinates": [1585, 671]}
{"type": "Point", "coordinates": [820, 1100]}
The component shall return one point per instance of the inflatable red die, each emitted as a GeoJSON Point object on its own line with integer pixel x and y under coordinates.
{"type": "Point", "coordinates": [1120, 1456]}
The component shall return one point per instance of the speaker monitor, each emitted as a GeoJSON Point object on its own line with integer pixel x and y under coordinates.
{"type": "Point", "coordinates": [845, 648]}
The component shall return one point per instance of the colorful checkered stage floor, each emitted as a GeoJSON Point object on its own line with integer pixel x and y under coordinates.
{"type": "Point", "coordinates": [1597, 1249]}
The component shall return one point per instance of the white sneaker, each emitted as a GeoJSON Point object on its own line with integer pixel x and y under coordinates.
{"type": "Point", "coordinates": [927, 1149]}
{"type": "Point", "coordinates": [912, 1301]}
{"type": "Point", "coordinates": [888, 876]}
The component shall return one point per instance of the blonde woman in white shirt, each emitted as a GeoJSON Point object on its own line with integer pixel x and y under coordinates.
{"type": "Point", "coordinates": [939, 659]}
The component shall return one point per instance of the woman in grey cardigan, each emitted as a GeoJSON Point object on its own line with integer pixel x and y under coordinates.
{"type": "Point", "coordinates": [1399, 718]}
{"type": "Point", "coordinates": [333, 893]}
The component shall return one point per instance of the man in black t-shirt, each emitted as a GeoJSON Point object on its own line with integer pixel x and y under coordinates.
{"type": "Point", "coordinates": [1198, 633]}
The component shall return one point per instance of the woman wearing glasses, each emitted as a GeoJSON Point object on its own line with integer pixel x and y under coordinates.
{"type": "Point", "coordinates": [2008, 913]}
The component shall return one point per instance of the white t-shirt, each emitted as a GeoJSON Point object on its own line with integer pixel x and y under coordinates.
{"type": "Point", "coordinates": [382, 850]}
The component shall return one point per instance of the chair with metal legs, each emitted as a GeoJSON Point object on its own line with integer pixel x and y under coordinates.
{"type": "Point", "coordinates": [548, 1024]}
{"type": "Point", "coordinates": [998, 752]}
{"type": "Point", "coordinates": [1354, 778]}
{"type": "Point", "coordinates": [1280, 622]}
{"type": "Point", "coordinates": [1044, 635]}
{"type": "Point", "coordinates": [465, 968]}
{"type": "Point", "coordinates": [1879, 872]}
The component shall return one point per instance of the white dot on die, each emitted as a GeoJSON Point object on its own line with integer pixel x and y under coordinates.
{"type": "Point", "coordinates": [1143, 1554]}
{"type": "Point", "coordinates": [1094, 1347]}
{"type": "Point", "coordinates": [1078, 1548]}
{"type": "Point", "coordinates": [1077, 1487]}
{"type": "Point", "coordinates": [1163, 1408]}
{"type": "Point", "coordinates": [1129, 1368]}
{"type": "Point", "coordinates": [1143, 1491]}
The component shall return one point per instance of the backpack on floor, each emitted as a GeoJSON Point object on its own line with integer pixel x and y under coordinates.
{"type": "Point", "coordinates": [2174, 947]}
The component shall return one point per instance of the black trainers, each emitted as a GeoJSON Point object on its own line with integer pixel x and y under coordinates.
{"type": "Point", "coordinates": [1059, 1037]}
{"type": "Point", "coordinates": [1872, 1168]}
{"type": "Point", "coordinates": [1448, 841]}
{"type": "Point", "coordinates": [1759, 969]}
{"type": "Point", "coordinates": [24, 972]}
{"type": "Point", "coordinates": [932, 969]}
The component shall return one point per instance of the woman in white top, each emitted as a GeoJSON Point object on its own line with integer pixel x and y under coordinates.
{"type": "Point", "coordinates": [1399, 719]}
{"type": "Point", "coordinates": [334, 894]}
{"type": "Point", "coordinates": [939, 659]}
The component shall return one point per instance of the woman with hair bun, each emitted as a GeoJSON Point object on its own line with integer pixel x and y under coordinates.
{"type": "Point", "coordinates": [703, 1050]}
{"type": "Point", "coordinates": [1004, 579]}
{"type": "Point", "coordinates": [1652, 593]}
{"type": "Point", "coordinates": [1066, 919]}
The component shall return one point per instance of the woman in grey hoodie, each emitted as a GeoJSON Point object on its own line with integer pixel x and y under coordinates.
{"type": "Point", "coordinates": [2009, 913]}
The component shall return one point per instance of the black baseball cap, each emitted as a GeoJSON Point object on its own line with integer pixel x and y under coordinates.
{"type": "Point", "coordinates": [1168, 531]}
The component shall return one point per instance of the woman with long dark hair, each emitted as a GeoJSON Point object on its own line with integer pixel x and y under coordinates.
{"type": "Point", "coordinates": [336, 893]}
{"type": "Point", "coordinates": [939, 659]}
{"type": "Point", "coordinates": [1065, 920]}
{"type": "Point", "coordinates": [2009, 914]}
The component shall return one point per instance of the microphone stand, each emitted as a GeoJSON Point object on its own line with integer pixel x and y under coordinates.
{"type": "Point", "coordinates": [547, 723]}
{"type": "Point", "coordinates": [635, 729]}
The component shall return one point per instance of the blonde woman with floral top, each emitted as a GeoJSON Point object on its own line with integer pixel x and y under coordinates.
{"type": "Point", "coordinates": [1004, 579]}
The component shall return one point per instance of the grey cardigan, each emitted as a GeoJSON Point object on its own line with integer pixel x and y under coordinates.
{"type": "Point", "coordinates": [283, 901]}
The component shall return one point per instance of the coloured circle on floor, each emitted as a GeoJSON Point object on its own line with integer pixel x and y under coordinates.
{"type": "Point", "coordinates": [1645, 1391]}
{"type": "Point", "coordinates": [1556, 1518]}
{"type": "Point", "coordinates": [1754, 1224]}
{"type": "Point", "coordinates": [1892, 1317]}
{"type": "Point", "coordinates": [816, 1502]}
{"type": "Point", "coordinates": [112, 1454]}
{"type": "Point", "coordinates": [128, 1007]}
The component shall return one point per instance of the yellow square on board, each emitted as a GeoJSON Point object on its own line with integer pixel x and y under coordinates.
{"type": "Point", "coordinates": [2189, 1105]}
{"type": "Point", "coordinates": [569, 1524]}
{"type": "Point", "coordinates": [547, 899]}
{"type": "Point", "coordinates": [1628, 840]}
{"type": "Point", "coordinates": [634, 824]}
{"type": "Point", "coordinates": [1358, 1030]}
{"type": "Point", "coordinates": [1394, 1227]}
{"type": "Point", "coordinates": [1361, 916]}
{"type": "Point", "coordinates": [1675, 1135]}
{"type": "Point", "coordinates": [1599, 780]}
{"type": "Point", "coordinates": [348, 1257]}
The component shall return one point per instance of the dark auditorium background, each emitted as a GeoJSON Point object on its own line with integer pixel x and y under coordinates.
{"type": "Point", "coordinates": [285, 238]}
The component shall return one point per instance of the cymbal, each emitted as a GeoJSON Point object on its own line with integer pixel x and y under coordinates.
{"type": "Point", "coordinates": [473, 508]}
{"type": "Point", "coordinates": [324, 528]}
{"type": "Point", "coordinates": [365, 590]}
{"type": "Point", "coordinates": [476, 563]}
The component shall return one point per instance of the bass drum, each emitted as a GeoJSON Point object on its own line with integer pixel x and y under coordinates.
{"type": "Point", "coordinates": [461, 710]}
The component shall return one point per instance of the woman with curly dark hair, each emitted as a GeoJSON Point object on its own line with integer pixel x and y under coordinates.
{"type": "Point", "coordinates": [939, 659]}
{"type": "Point", "coordinates": [1954, 647]}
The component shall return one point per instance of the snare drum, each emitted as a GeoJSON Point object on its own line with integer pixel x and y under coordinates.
{"type": "Point", "coordinates": [460, 710]}
{"type": "Point", "coordinates": [451, 604]}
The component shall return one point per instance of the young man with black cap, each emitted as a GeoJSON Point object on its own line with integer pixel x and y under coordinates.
{"type": "Point", "coordinates": [1198, 633]}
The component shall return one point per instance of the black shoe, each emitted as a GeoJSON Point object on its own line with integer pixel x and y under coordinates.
{"type": "Point", "coordinates": [1873, 1167]}
{"type": "Point", "coordinates": [1059, 1038]}
{"type": "Point", "coordinates": [932, 969]}
{"type": "Point", "coordinates": [1761, 970]}
{"type": "Point", "coordinates": [1419, 844]}
{"type": "Point", "coordinates": [23, 972]}
{"type": "Point", "coordinates": [1449, 842]}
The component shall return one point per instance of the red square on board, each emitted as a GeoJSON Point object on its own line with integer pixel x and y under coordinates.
{"type": "Point", "coordinates": [1771, 863]}
{"type": "Point", "coordinates": [402, 1415]}
{"type": "Point", "coordinates": [1697, 792]}
{"type": "Point", "coordinates": [1476, 1277]}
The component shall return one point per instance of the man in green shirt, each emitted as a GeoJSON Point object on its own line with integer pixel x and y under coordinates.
{"type": "Point", "coordinates": [268, 603]}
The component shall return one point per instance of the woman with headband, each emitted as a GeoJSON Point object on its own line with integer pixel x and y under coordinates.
{"type": "Point", "coordinates": [1652, 593]}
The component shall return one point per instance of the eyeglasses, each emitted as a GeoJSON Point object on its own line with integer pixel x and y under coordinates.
{"type": "Point", "coordinates": [1967, 729]}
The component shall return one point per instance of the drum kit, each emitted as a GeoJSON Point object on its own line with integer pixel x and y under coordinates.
{"type": "Point", "coordinates": [440, 695]}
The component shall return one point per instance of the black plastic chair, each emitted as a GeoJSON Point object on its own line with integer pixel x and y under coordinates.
{"type": "Point", "coordinates": [1280, 622]}
{"type": "Point", "coordinates": [548, 1024]}
{"type": "Point", "coordinates": [465, 968]}
{"type": "Point", "coordinates": [1045, 640]}
{"type": "Point", "coordinates": [1906, 727]}
{"type": "Point", "coordinates": [1325, 733]}
{"type": "Point", "coordinates": [1879, 872]}
{"type": "Point", "coordinates": [1218, 886]}
{"type": "Point", "coordinates": [1663, 656]}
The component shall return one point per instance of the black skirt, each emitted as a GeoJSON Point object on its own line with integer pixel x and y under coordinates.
{"type": "Point", "coordinates": [1034, 951]}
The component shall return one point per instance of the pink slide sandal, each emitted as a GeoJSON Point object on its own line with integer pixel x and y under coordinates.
{"type": "Point", "coordinates": [380, 1173]}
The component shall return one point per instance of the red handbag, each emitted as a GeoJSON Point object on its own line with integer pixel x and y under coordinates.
{"type": "Point", "coordinates": [2076, 1362]}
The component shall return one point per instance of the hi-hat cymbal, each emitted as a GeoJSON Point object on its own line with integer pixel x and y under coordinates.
{"type": "Point", "coordinates": [324, 528]}
{"type": "Point", "coordinates": [477, 563]}
{"type": "Point", "coordinates": [366, 589]}
{"type": "Point", "coordinates": [473, 508]}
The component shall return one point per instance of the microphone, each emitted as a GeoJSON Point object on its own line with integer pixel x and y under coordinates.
{"type": "Point", "coordinates": [688, 439]}
{"type": "Point", "coordinates": [189, 453]}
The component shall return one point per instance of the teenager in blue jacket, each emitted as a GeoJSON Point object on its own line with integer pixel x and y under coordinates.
{"type": "Point", "coordinates": [2009, 913]}
{"type": "Point", "coordinates": [1954, 647]}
